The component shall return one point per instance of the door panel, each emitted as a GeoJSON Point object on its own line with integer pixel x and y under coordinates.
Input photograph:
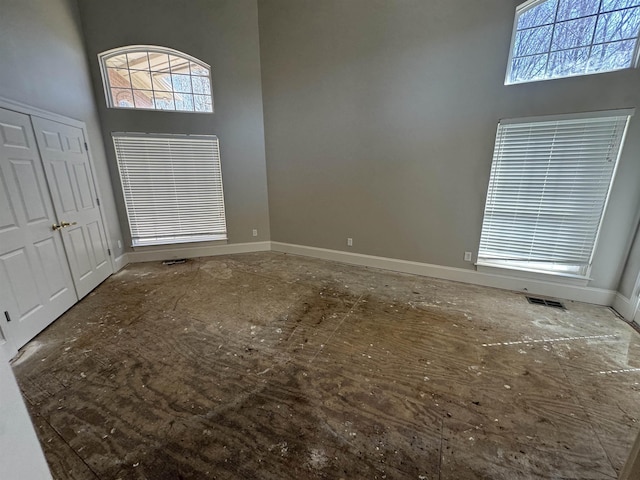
{"type": "Point", "coordinates": [68, 171]}
{"type": "Point", "coordinates": [80, 253]}
{"type": "Point", "coordinates": [35, 280]}
{"type": "Point", "coordinates": [82, 178]}
{"type": "Point", "coordinates": [52, 257]}
{"type": "Point", "coordinates": [30, 189]}
{"type": "Point", "coordinates": [96, 238]}
{"type": "Point", "coordinates": [60, 180]}
{"type": "Point", "coordinates": [16, 265]}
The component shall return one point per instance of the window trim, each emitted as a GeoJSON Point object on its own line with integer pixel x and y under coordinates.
{"type": "Point", "coordinates": [104, 56]}
{"type": "Point", "coordinates": [523, 7]}
{"type": "Point", "coordinates": [586, 275]}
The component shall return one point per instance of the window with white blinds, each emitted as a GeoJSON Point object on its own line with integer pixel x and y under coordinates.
{"type": "Point", "coordinates": [548, 189]}
{"type": "Point", "coordinates": [172, 187]}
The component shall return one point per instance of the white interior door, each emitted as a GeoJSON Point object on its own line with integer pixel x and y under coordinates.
{"type": "Point", "coordinates": [20, 452]}
{"type": "Point", "coordinates": [35, 280]}
{"type": "Point", "coordinates": [66, 164]}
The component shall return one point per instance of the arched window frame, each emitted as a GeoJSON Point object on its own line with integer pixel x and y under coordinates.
{"type": "Point", "coordinates": [159, 79]}
{"type": "Point", "coordinates": [583, 64]}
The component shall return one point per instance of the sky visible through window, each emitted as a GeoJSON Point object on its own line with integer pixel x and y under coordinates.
{"type": "Point", "coordinates": [561, 38]}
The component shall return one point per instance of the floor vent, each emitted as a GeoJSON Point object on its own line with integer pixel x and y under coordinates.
{"type": "Point", "coordinates": [176, 261]}
{"type": "Point", "coordinates": [546, 302]}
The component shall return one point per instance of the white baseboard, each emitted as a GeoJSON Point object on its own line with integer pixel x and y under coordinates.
{"type": "Point", "coordinates": [578, 293]}
{"type": "Point", "coordinates": [545, 288]}
{"type": "Point", "coordinates": [120, 262]}
{"type": "Point", "coordinates": [191, 252]}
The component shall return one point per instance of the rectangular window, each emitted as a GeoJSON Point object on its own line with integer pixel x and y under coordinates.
{"type": "Point", "coordinates": [548, 188]}
{"type": "Point", "coordinates": [172, 187]}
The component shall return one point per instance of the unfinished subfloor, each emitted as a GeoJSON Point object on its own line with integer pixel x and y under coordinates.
{"type": "Point", "coordinates": [271, 366]}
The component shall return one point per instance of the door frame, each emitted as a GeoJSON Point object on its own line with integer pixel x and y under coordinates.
{"type": "Point", "coordinates": [635, 297]}
{"type": "Point", "coordinates": [19, 107]}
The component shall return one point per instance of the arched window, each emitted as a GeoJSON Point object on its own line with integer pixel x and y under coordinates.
{"type": "Point", "coordinates": [155, 78]}
{"type": "Point", "coordinates": [562, 38]}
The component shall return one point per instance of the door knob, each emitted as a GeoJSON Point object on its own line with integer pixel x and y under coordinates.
{"type": "Point", "coordinates": [63, 225]}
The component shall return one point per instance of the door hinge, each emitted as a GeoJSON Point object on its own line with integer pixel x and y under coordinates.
{"type": "Point", "coordinates": [7, 316]}
{"type": "Point", "coordinates": [86, 147]}
{"type": "Point", "coordinates": [109, 251]}
{"type": "Point", "coordinates": [98, 201]}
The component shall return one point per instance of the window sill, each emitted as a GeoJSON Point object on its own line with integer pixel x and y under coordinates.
{"type": "Point", "coordinates": [222, 240]}
{"type": "Point", "coordinates": [563, 278]}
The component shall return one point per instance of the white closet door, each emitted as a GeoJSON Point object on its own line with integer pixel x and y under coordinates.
{"type": "Point", "coordinates": [68, 171]}
{"type": "Point", "coordinates": [35, 280]}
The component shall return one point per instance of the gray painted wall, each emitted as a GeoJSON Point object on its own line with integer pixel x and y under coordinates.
{"type": "Point", "coordinates": [224, 34]}
{"type": "Point", "coordinates": [380, 119]}
{"type": "Point", "coordinates": [43, 64]}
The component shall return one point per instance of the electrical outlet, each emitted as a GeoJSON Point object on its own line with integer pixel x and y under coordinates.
{"type": "Point", "coordinates": [349, 242]}
{"type": "Point", "coordinates": [255, 232]}
{"type": "Point", "coordinates": [119, 245]}
{"type": "Point", "coordinates": [467, 256]}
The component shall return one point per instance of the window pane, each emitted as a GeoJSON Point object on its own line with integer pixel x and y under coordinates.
{"type": "Point", "coordinates": [179, 65]}
{"type": "Point", "coordinates": [159, 62]}
{"type": "Point", "coordinates": [119, 77]}
{"type": "Point", "coordinates": [574, 33]}
{"type": "Point", "coordinates": [538, 15]}
{"type": "Point", "coordinates": [528, 68]}
{"type": "Point", "coordinates": [162, 82]}
{"type": "Point", "coordinates": [532, 41]}
{"type": "Point", "coordinates": [122, 98]}
{"type": "Point", "coordinates": [569, 9]}
{"type": "Point", "coordinates": [201, 85]}
{"type": "Point", "coordinates": [164, 101]}
{"type": "Point", "coordinates": [608, 5]}
{"type": "Point", "coordinates": [620, 25]}
{"type": "Point", "coordinates": [171, 75]}
{"type": "Point", "coordinates": [202, 103]}
{"type": "Point", "coordinates": [198, 70]}
{"type": "Point", "coordinates": [611, 56]}
{"type": "Point", "coordinates": [568, 62]}
{"type": "Point", "coordinates": [143, 98]}
{"type": "Point", "coordinates": [181, 83]}
{"type": "Point", "coordinates": [117, 61]}
{"type": "Point", "coordinates": [140, 79]}
{"type": "Point", "coordinates": [184, 102]}
{"type": "Point", "coordinates": [138, 60]}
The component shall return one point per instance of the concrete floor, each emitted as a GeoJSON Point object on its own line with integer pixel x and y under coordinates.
{"type": "Point", "coordinates": [272, 366]}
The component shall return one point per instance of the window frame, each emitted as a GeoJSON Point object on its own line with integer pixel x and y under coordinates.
{"type": "Point", "coordinates": [106, 55]}
{"type": "Point", "coordinates": [513, 265]}
{"type": "Point", "coordinates": [529, 4]}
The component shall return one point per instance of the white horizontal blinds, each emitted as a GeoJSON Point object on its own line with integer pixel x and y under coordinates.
{"type": "Point", "coordinates": [548, 187]}
{"type": "Point", "coordinates": [172, 187]}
